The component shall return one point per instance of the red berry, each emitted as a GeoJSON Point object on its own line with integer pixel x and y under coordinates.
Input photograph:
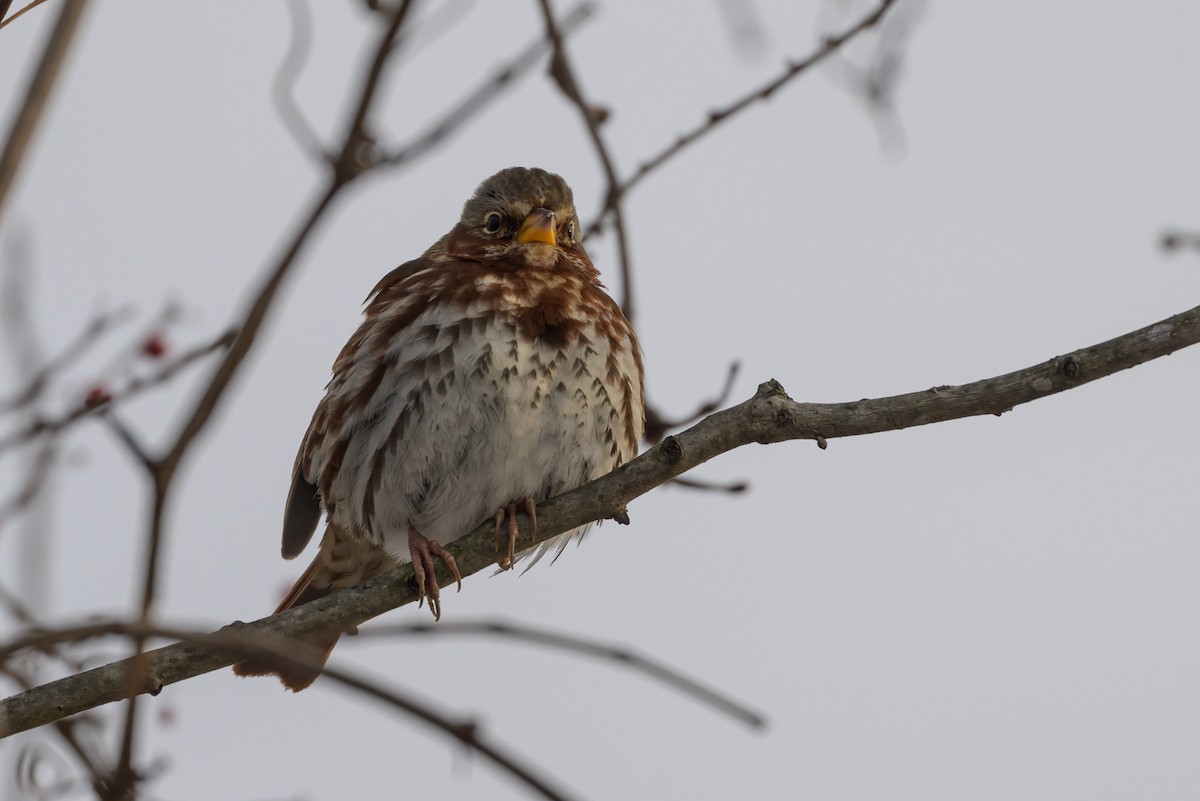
{"type": "Point", "coordinates": [97, 396]}
{"type": "Point", "coordinates": [155, 346]}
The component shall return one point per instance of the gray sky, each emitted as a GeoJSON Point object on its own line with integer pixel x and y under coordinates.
{"type": "Point", "coordinates": [985, 609]}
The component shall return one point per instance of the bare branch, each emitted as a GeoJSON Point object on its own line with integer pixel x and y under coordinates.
{"type": "Point", "coordinates": [127, 438]}
{"type": "Point", "coordinates": [732, 487]}
{"type": "Point", "coordinates": [671, 678]}
{"type": "Point", "coordinates": [768, 417]}
{"type": "Point", "coordinates": [874, 82]}
{"type": "Point", "coordinates": [657, 426]}
{"type": "Point", "coordinates": [35, 479]}
{"type": "Point", "coordinates": [794, 69]}
{"type": "Point", "coordinates": [564, 76]}
{"type": "Point", "coordinates": [745, 27]}
{"type": "Point", "coordinates": [25, 123]}
{"type": "Point", "coordinates": [284, 84]}
{"type": "Point", "coordinates": [51, 426]}
{"type": "Point", "coordinates": [487, 92]}
{"type": "Point", "coordinates": [1179, 239]}
{"type": "Point", "coordinates": [6, 4]}
{"type": "Point", "coordinates": [37, 382]}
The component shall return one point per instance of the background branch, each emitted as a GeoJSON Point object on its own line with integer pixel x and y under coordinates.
{"type": "Point", "coordinates": [26, 121]}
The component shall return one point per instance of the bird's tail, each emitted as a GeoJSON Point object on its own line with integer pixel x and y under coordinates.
{"type": "Point", "coordinates": [340, 562]}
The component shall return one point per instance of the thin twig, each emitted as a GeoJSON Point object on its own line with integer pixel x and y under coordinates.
{"type": "Point", "coordinates": [35, 479]}
{"type": "Point", "coordinates": [566, 642]}
{"type": "Point", "coordinates": [358, 152]}
{"type": "Point", "coordinates": [127, 438]}
{"type": "Point", "coordinates": [794, 69]}
{"type": "Point", "coordinates": [55, 425]}
{"type": "Point", "coordinates": [657, 426]}
{"type": "Point", "coordinates": [875, 82]}
{"type": "Point", "coordinates": [283, 86]}
{"type": "Point", "coordinates": [484, 94]}
{"type": "Point", "coordinates": [37, 382]}
{"type": "Point", "coordinates": [732, 487]}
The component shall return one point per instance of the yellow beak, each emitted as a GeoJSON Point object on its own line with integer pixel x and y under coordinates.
{"type": "Point", "coordinates": [538, 227]}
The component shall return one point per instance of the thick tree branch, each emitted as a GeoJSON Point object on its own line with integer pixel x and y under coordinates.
{"type": "Point", "coordinates": [770, 416]}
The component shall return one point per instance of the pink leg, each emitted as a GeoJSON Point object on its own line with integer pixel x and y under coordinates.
{"type": "Point", "coordinates": [514, 529]}
{"type": "Point", "coordinates": [422, 550]}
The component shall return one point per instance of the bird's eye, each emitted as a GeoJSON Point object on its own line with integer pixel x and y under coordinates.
{"type": "Point", "coordinates": [491, 223]}
{"type": "Point", "coordinates": [571, 232]}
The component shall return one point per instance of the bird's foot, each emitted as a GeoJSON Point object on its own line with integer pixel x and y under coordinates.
{"type": "Point", "coordinates": [422, 550]}
{"type": "Point", "coordinates": [514, 529]}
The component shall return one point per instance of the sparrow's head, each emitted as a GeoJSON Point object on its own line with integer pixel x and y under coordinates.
{"type": "Point", "coordinates": [520, 217]}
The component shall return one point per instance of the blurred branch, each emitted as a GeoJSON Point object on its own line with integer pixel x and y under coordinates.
{"type": "Point", "coordinates": [732, 487]}
{"type": "Point", "coordinates": [54, 425]}
{"type": "Point", "coordinates": [30, 112]}
{"type": "Point", "coordinates": [744, 25]}
{"type": "Point", "coordinates": [1177, 239]}
{"type": "Point", "coordinates": [579, 645]}
{"type": "Point", "coordinates": [37, 382]}
{"type": "Point", "coordinates": [283, 86]}
{"type": "Point", "coordinates": [874, 82]}
{"type": "Point", "coordinates": [768, 417]}
{"type": "Point", "coordinates": [35, 479]}
{"type": "Point", "coordinates": [564, 76]}
{"type": "Point", "coordinates": [484, 94]}
{"type": "Point", "coordinates": [657, 426]}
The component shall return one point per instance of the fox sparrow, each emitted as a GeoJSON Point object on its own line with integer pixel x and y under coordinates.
{"type": "Point", "coordinates": [489, 374]}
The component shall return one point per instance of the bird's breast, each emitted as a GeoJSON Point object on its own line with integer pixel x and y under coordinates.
{"type": "Point", "coordinates": [476, 404]}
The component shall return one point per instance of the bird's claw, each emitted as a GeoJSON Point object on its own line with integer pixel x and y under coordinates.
{"type": "Point", "coordinates": [423, 550]}
{"type": "Point", "coordinates": [514, 529]}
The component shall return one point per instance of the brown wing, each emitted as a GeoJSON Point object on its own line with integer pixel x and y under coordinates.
{"type": "Point", "coordinates": [303, 509]}
{"type": "Point", "coordinates": [300, 515]}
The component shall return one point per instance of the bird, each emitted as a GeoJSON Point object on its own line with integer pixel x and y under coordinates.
{"type": "Point", "coordinates": [489, 374]}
